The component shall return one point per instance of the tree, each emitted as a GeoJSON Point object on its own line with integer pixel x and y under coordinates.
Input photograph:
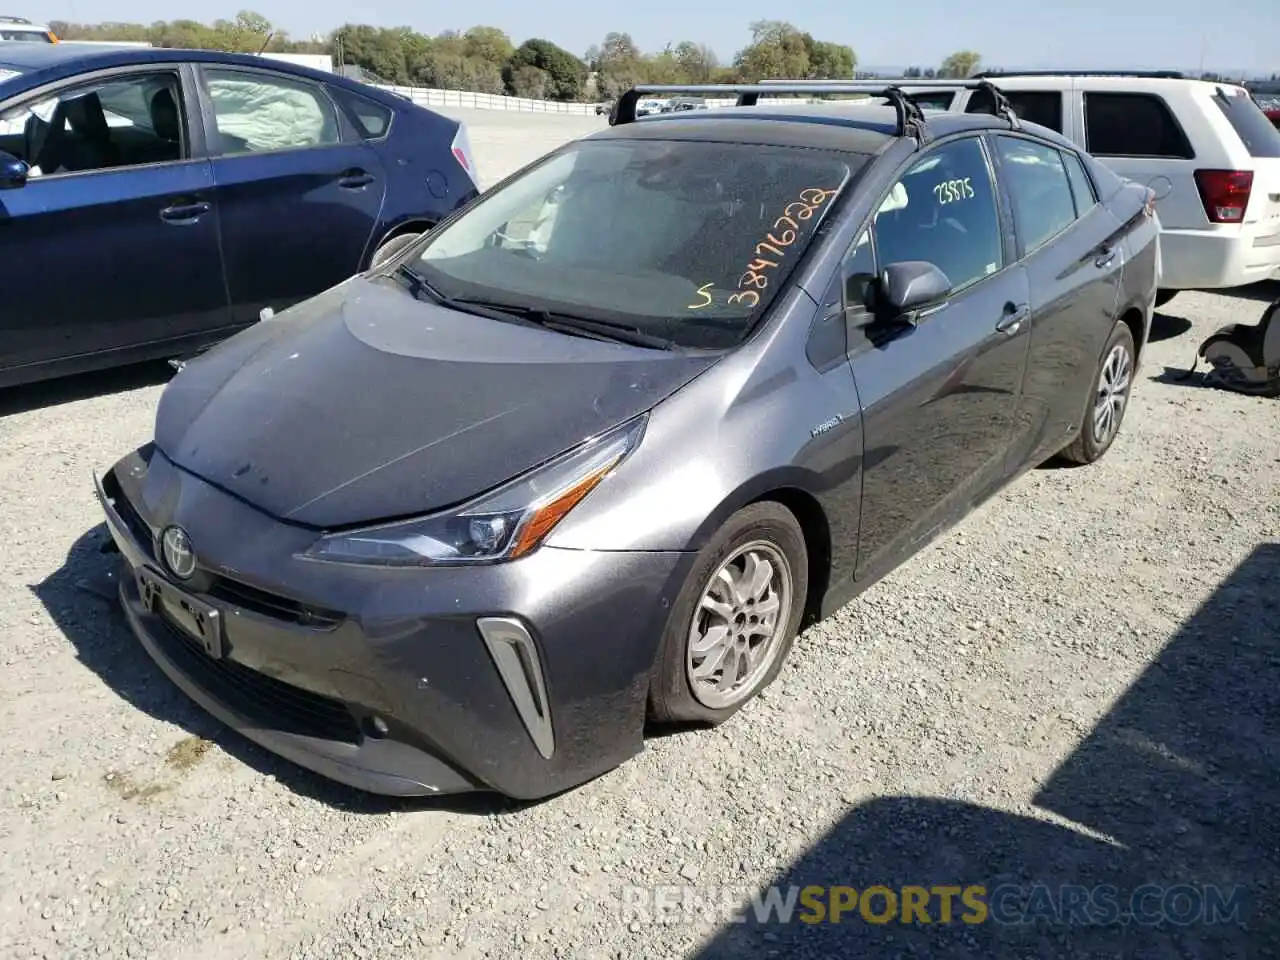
{"type": "Point", "coordinates": [830, 61]}
{"type": "Point", "coordinates": [777, 51]}
{"type": "Point", "coordinates": [697, 61]}
{"type": "Point", "coordinates": [527, 81]}
{"type": "Point", "coordinates": [960, 64]}
{"type": "Point", "coordinates": [567, 75]}
{"type": "Point", "coordinates": [489, 44]}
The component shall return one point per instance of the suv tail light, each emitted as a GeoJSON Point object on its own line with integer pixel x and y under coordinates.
{"type": "Point", "coordinates": [1225, 194]}
{"type": "Point", "coordinates": [461, 150]}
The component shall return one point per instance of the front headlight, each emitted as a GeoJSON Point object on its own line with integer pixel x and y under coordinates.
{"type": "Point", "coordinates": [501, 525]}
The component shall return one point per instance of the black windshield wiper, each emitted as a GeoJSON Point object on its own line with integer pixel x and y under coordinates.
{"type": "Point", "coordinates": [419, 285]}
{"type": "Point", "coordinates": [570, 323]}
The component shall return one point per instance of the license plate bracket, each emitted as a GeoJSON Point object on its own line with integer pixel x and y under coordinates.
{"type": "Point", "coordinates": [198, 620]}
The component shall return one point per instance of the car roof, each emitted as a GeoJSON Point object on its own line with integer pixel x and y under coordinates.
{"type": "Point", "coordinates": [65, 59]}
{"type": "Point", "coordinates": [841, 125]}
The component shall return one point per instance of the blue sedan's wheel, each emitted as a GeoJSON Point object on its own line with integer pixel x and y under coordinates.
{"type": "Point", "coordinates": [392, 247]}
{"type": "Point", "coordinates": [735, 619]}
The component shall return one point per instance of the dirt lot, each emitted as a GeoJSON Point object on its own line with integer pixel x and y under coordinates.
{"type": "Point", "coordinates": [1079, 686]}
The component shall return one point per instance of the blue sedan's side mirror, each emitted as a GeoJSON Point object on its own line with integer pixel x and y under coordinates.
{"type": "Point", "coordinates": [13, 172]}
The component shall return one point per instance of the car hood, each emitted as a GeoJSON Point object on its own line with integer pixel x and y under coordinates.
{"type": "Point", "coordinates": [366, 403]}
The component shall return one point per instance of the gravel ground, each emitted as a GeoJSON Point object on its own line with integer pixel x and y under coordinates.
{"type": "Point", "coordinates": [1079, 685]}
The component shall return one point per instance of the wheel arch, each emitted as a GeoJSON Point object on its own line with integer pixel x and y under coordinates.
{"type": "Point", "coordinates": [793, 488]}
{"type": "Point", "coordinates": [410, 225]}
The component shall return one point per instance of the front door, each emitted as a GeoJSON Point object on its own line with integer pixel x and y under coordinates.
{"type": "Point", "coordinates": [299, 194]}
{"type": "Point", "coordinates": [113, 240]}
{"type": "Point", "coordinates": [938, 398]}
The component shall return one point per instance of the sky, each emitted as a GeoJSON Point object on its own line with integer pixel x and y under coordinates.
{"type": "Point", "coordinates": [1027, 34]}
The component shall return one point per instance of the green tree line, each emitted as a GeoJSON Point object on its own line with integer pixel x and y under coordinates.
{"type": "Point", "coordinates": [484, 59]}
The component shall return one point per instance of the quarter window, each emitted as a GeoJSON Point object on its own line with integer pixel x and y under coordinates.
{"type": "Point", "coordinates": [1132, 125]}
{"type": "Point", "coordinates": [1081, 184]}
{"type": "Point", "coordinates": [371, 119]}
{"type": "Point", "coordinates": [1042, 202]}
{"type": "Point", "coordinates": [256, 112]}
{"type": "Point", "coordinates": [943, 211]}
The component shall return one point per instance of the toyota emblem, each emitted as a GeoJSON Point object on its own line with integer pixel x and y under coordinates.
{"type": "Point", "coordinates": [178, 555]}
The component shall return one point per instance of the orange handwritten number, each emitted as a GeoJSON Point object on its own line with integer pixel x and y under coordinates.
{"type": "Point", "coordinates": [770, 247]}
{"type": "Point", "coordinates": [738, 298]}
{"type": "Point", "coordinates": [753, 279]}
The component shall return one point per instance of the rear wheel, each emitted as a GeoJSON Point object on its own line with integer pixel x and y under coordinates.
{"type": "Point", "coordinates": [1164, 296]}
{"type": "Point", "coordinates": [735, 619]}
{"type": "Point", "coordinates": [1109, 399]}
{"type": "Point", "coordinates": [391, 247]}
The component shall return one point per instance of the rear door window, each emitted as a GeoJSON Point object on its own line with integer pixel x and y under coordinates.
{"type": "Point", "coordinates": [1082, 188]}
{"type": "Point", "coordinates": [1037, 180]}
{"type": "Point", "coordinates": [1256, 132]}
{"type": "Point", "coordinates": [258, 112]}
{"type": "Point", "coordinates": [1133, 125]}
{"type": "Point", "coordinates": [1035, 106]}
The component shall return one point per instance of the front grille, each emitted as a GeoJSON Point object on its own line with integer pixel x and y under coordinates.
{"type": "Point", "coordinates": [272, 605]}
{"type": "Point", "coordinates": [263, 700]}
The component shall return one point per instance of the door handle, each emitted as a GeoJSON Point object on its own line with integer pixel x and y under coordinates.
{"type": "Point", "coordinates": [1105, 257]}
{"type": "Point", "coordinates": [355, 179]}
{"type": "Point", "coordinates": [184, 212]}
{"type": "Point", "coordinates": [1011, 322]}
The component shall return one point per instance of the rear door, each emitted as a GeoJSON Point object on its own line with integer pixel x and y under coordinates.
{"type": "Point", "coordinates": [1071, 249]}
{"type": "Point", "coordinates": [299, 193]}
{"type": "Point", "coordinates": [938, 398]}
{"type": "Point", "coordinates": [113, 240]}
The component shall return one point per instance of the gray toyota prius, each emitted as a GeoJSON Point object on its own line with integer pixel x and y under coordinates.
{"type": "Point", "coordinates": [590, 453]}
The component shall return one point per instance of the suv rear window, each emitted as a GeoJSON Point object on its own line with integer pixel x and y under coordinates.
{"type": "Point", "coordinates": [1035, 106]}
{"type": "Point", "coordinates": [1256, 132]}
{"type": "Point", "coordinates": [1133, 125]}
{"type": "Point", "coordinates": [701, 236]}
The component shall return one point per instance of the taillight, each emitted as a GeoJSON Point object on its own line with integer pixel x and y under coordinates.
{"type": "Point", "coordinates": [1225, 194]}
{"type": "Point", "coordinates": [461, 150]}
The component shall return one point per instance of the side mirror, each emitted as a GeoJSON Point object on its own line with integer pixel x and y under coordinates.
{"type": "Point", "coordinates": [13, 172]}
{"type": "Point", "coordinates": [910, 284]}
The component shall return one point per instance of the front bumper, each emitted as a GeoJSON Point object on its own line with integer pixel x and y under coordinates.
{"type": "Point", "coordinates": [381, 678]}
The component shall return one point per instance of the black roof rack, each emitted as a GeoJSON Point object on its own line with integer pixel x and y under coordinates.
{"type": "Point", "coordinates": [911, 120]}
{"type": "Point", "coordinates": [1148, 74]}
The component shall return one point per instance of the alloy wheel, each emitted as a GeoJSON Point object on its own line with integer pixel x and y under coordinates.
{"type": "Point", "coordinates": [739, 625]}
{"type": "Point", "coordinates": [1112, 394]}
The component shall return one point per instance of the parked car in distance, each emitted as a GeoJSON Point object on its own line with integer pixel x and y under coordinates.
{"type": "Point", "coordinates": [190, 190]}
{"type": "Point", "coordinates": [816, 339]}
{"type": "Point", "coordinates": [1273, 114]}
{"type": "Point", "coordinates": [21, 30]}
{"type": "Point", "coordinates": [1205, 147]}
{"type": "Point", "coordinates": [603, 107]}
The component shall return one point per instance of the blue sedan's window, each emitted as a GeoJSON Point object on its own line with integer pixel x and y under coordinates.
{"type": "Point", "coordinates": [686, 240]}
{"type": "Point", "coordinates": [258, 112]}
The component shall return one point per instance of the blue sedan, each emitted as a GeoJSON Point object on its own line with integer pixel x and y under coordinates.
{"type": "Point", "coordinates": [154, 201]}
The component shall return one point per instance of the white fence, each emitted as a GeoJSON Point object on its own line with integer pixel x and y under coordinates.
{"type": "Point", "coordinates": [429, 97]}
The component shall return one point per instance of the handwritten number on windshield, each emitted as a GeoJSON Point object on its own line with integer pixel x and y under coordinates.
{"type": "Point", "coordinates": [786, 230]}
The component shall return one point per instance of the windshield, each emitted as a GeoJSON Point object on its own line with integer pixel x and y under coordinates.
{"type": "Point", "coordinates": [24, 36]}
{"type": "Point", "coordinates": [688, 241]}
{"type": "Point", "coordinates": [1256, 132]}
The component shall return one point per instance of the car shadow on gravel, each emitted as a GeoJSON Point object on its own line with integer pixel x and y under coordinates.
{"type": "Point", "coordinates": [80, 597]}
{"type": "Point", "coordinates": [1165, 326]}
{"type": "Point", "coordinates": [1178, 786]}
{"type": "Point", "coordinates": [85, 386]}
{"type": "Point", "coordinates": [1264, 290]}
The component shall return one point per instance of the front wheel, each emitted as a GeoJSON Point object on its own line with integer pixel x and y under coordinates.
{"type": "Point", "coordinates": [735, 618]}
{"type": "Point", "coordinates": [1109, 399]}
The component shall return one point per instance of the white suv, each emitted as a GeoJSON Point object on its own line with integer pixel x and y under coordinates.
{"type": "Point", "coordinates": [1208, 151]}
{"type": "Point", "coordinates": [20, 30]}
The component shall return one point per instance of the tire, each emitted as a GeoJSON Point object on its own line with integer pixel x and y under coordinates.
{"type": "Point", "coordinates": [763, 531]}
{"type": "Point", "coordinates": [391, 247]}
{"type": "Point", "coordinates": [1164, 296]}
{"type": "Point", "coordinates": [1114, 379]}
